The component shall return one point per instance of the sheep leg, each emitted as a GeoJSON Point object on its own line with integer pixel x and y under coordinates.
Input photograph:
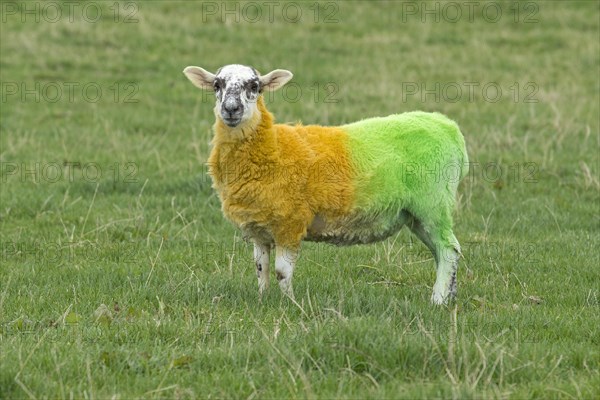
{"type": "Point", "coordinates": [444, 288]}
{"type": "Point", "coordinates": [418, 229]}
{"type": "Point", "coordinates": [261, 259]}
{"type": "Point", "coordinates": [446, 250]}
{"type": "Point", "coordinates": [285, 261]}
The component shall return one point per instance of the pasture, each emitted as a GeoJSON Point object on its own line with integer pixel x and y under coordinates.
{"type": "Point", "coordinates": [120, 278]}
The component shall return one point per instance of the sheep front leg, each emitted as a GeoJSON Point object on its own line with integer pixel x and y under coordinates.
{"type": "Point", "coordinates": [285, 261]}
{"type": "Point", "coordinates": [261, 259]}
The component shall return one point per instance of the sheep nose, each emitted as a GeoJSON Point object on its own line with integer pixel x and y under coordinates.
{"type": "Point", "coordinates": [232, 107]}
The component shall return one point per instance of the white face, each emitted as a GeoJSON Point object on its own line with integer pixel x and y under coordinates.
{"type": "Point", "coordinates": [237, 88]}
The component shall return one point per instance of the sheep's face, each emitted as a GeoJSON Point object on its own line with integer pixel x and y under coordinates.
{"type": "Point", "coordinates": [237, 88]}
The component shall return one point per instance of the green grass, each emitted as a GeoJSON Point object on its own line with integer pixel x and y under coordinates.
{"type": "Point", "coordinates": [132, 285]}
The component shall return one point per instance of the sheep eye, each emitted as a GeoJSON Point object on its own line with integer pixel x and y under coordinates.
{"type": "Point", "coordinates": [254, 87]}
{"type": "Point", "coordinates": [217, 86]}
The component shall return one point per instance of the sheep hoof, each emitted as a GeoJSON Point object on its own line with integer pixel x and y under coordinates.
{"type": "Point", "coordinates": [438, 299]}
{"type": "Point", "coordinates": [287, 291]}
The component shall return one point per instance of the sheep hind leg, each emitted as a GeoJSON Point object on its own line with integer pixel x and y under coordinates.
{"type": "Point", "coordinates": [285, 261]}
{"type": "Point", "coordinates": [445, 248]}
{"type": "Point", "coordinates": [261, 260]}
{"type": "Point", "coordinates": [417, 228]}
{"type": "Point", "coordinates": [444, 288]}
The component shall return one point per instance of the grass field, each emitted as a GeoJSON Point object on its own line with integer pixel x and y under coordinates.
{"type": "Point", "coordinates": [121, 279]}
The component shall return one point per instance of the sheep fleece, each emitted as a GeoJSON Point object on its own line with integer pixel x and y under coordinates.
{"type": "Point", "coordinates": [354, 183]}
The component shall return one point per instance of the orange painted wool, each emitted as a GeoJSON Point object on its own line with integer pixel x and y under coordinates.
{"type": "Point", "coordinates": [273, 179]}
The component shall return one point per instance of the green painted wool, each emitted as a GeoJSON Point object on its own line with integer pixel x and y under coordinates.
{"type": "Point", "coordinates": [411, 161]}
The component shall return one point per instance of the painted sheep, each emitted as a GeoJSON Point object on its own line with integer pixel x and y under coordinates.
{"type": "Point", "coordinates": [355, 183]}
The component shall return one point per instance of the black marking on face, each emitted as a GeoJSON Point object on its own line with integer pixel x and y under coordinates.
{"type": "Point", "coordinates": [218, 86]}
{"type": "Point", "coordinates": [219, 83]}
{"type": "Point", "coordinates": [252, 88]}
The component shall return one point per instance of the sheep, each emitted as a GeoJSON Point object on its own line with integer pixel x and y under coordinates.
{"type": "Point", "coordinates": [350, 184]}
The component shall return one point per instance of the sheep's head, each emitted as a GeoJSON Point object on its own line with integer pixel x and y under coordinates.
{"type": "Point", "coordinates": [237, 88]}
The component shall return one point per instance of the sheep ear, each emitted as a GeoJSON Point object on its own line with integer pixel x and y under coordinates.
{"type": "Point", "coordinates": [200, 77]}
{"type": "Point", "coordinates": [275, 79]}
